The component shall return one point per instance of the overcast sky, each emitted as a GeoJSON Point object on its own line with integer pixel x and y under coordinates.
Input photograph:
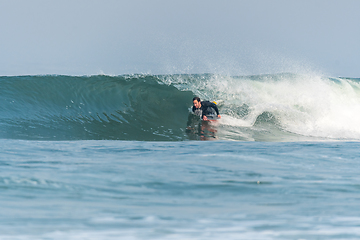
{"type": "Point", "coordinates": [237, 37]}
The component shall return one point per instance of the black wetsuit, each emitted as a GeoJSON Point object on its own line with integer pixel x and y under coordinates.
{"type": "Point", "coordinates": [207, 108]}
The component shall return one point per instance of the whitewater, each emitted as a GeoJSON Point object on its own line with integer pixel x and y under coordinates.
{"type": "Point", "coordinates": [123, 157]}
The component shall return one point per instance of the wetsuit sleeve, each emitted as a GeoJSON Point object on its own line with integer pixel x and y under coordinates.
{"type": "Point", "coordinates": [216, 108]}
{"type": "Point", "coordinates": [206, 104]}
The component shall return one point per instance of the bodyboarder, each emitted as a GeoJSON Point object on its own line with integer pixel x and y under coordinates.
{"type": "Point", "coordinates": [205, 109]}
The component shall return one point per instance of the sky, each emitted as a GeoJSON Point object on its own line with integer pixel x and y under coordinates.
{"type": "Point", "coordinates": [235, 37]}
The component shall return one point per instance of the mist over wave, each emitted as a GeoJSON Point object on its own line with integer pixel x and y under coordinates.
{"type": "Point", "coordinates": [276, 107]}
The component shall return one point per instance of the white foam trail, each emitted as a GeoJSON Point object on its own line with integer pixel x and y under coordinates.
{"type": "Point", "coordinates": [232, 121]}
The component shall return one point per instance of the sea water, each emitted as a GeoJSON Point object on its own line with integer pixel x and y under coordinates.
{"type": "Point", "coordinates": [121, 157]}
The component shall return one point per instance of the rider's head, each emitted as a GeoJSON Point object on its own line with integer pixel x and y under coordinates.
{"type": "Point", "coordinates": [197, 102]}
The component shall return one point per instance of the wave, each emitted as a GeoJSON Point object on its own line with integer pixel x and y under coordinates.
{"type": "Point", "coordinates": [276, 107]}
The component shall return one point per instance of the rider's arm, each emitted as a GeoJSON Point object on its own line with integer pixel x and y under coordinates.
{"type": "Point", "coordinates": [216, 109]}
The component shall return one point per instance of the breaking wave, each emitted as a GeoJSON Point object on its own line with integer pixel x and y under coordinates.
{"type": "Point", "coordinates": [276, 107]}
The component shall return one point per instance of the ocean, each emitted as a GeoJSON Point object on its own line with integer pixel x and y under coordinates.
{"type": "Point", "coordinates": [123, 157]}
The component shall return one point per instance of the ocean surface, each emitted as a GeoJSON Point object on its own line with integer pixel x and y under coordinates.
{"type": "Point", "coordinates": [123, 157]}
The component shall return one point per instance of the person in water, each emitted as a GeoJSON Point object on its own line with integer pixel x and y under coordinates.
{"type": "Point", "coordinates": [205, 108]}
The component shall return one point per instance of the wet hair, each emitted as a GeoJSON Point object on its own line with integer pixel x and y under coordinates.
{"type": "Point", "coordinates": [197, 99]}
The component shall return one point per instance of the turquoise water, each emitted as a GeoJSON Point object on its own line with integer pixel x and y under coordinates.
{"type": "Point", "coordinates": [120, 157]}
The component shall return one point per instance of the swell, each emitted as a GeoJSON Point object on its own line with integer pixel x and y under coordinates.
{"type": "Point", "coordinates": [96, 107]}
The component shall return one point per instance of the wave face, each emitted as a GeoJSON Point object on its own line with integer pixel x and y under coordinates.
{"type": "Point", "coordinates": [278, 107]}
{"type": "Point", "coordinates": [95, 107]}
